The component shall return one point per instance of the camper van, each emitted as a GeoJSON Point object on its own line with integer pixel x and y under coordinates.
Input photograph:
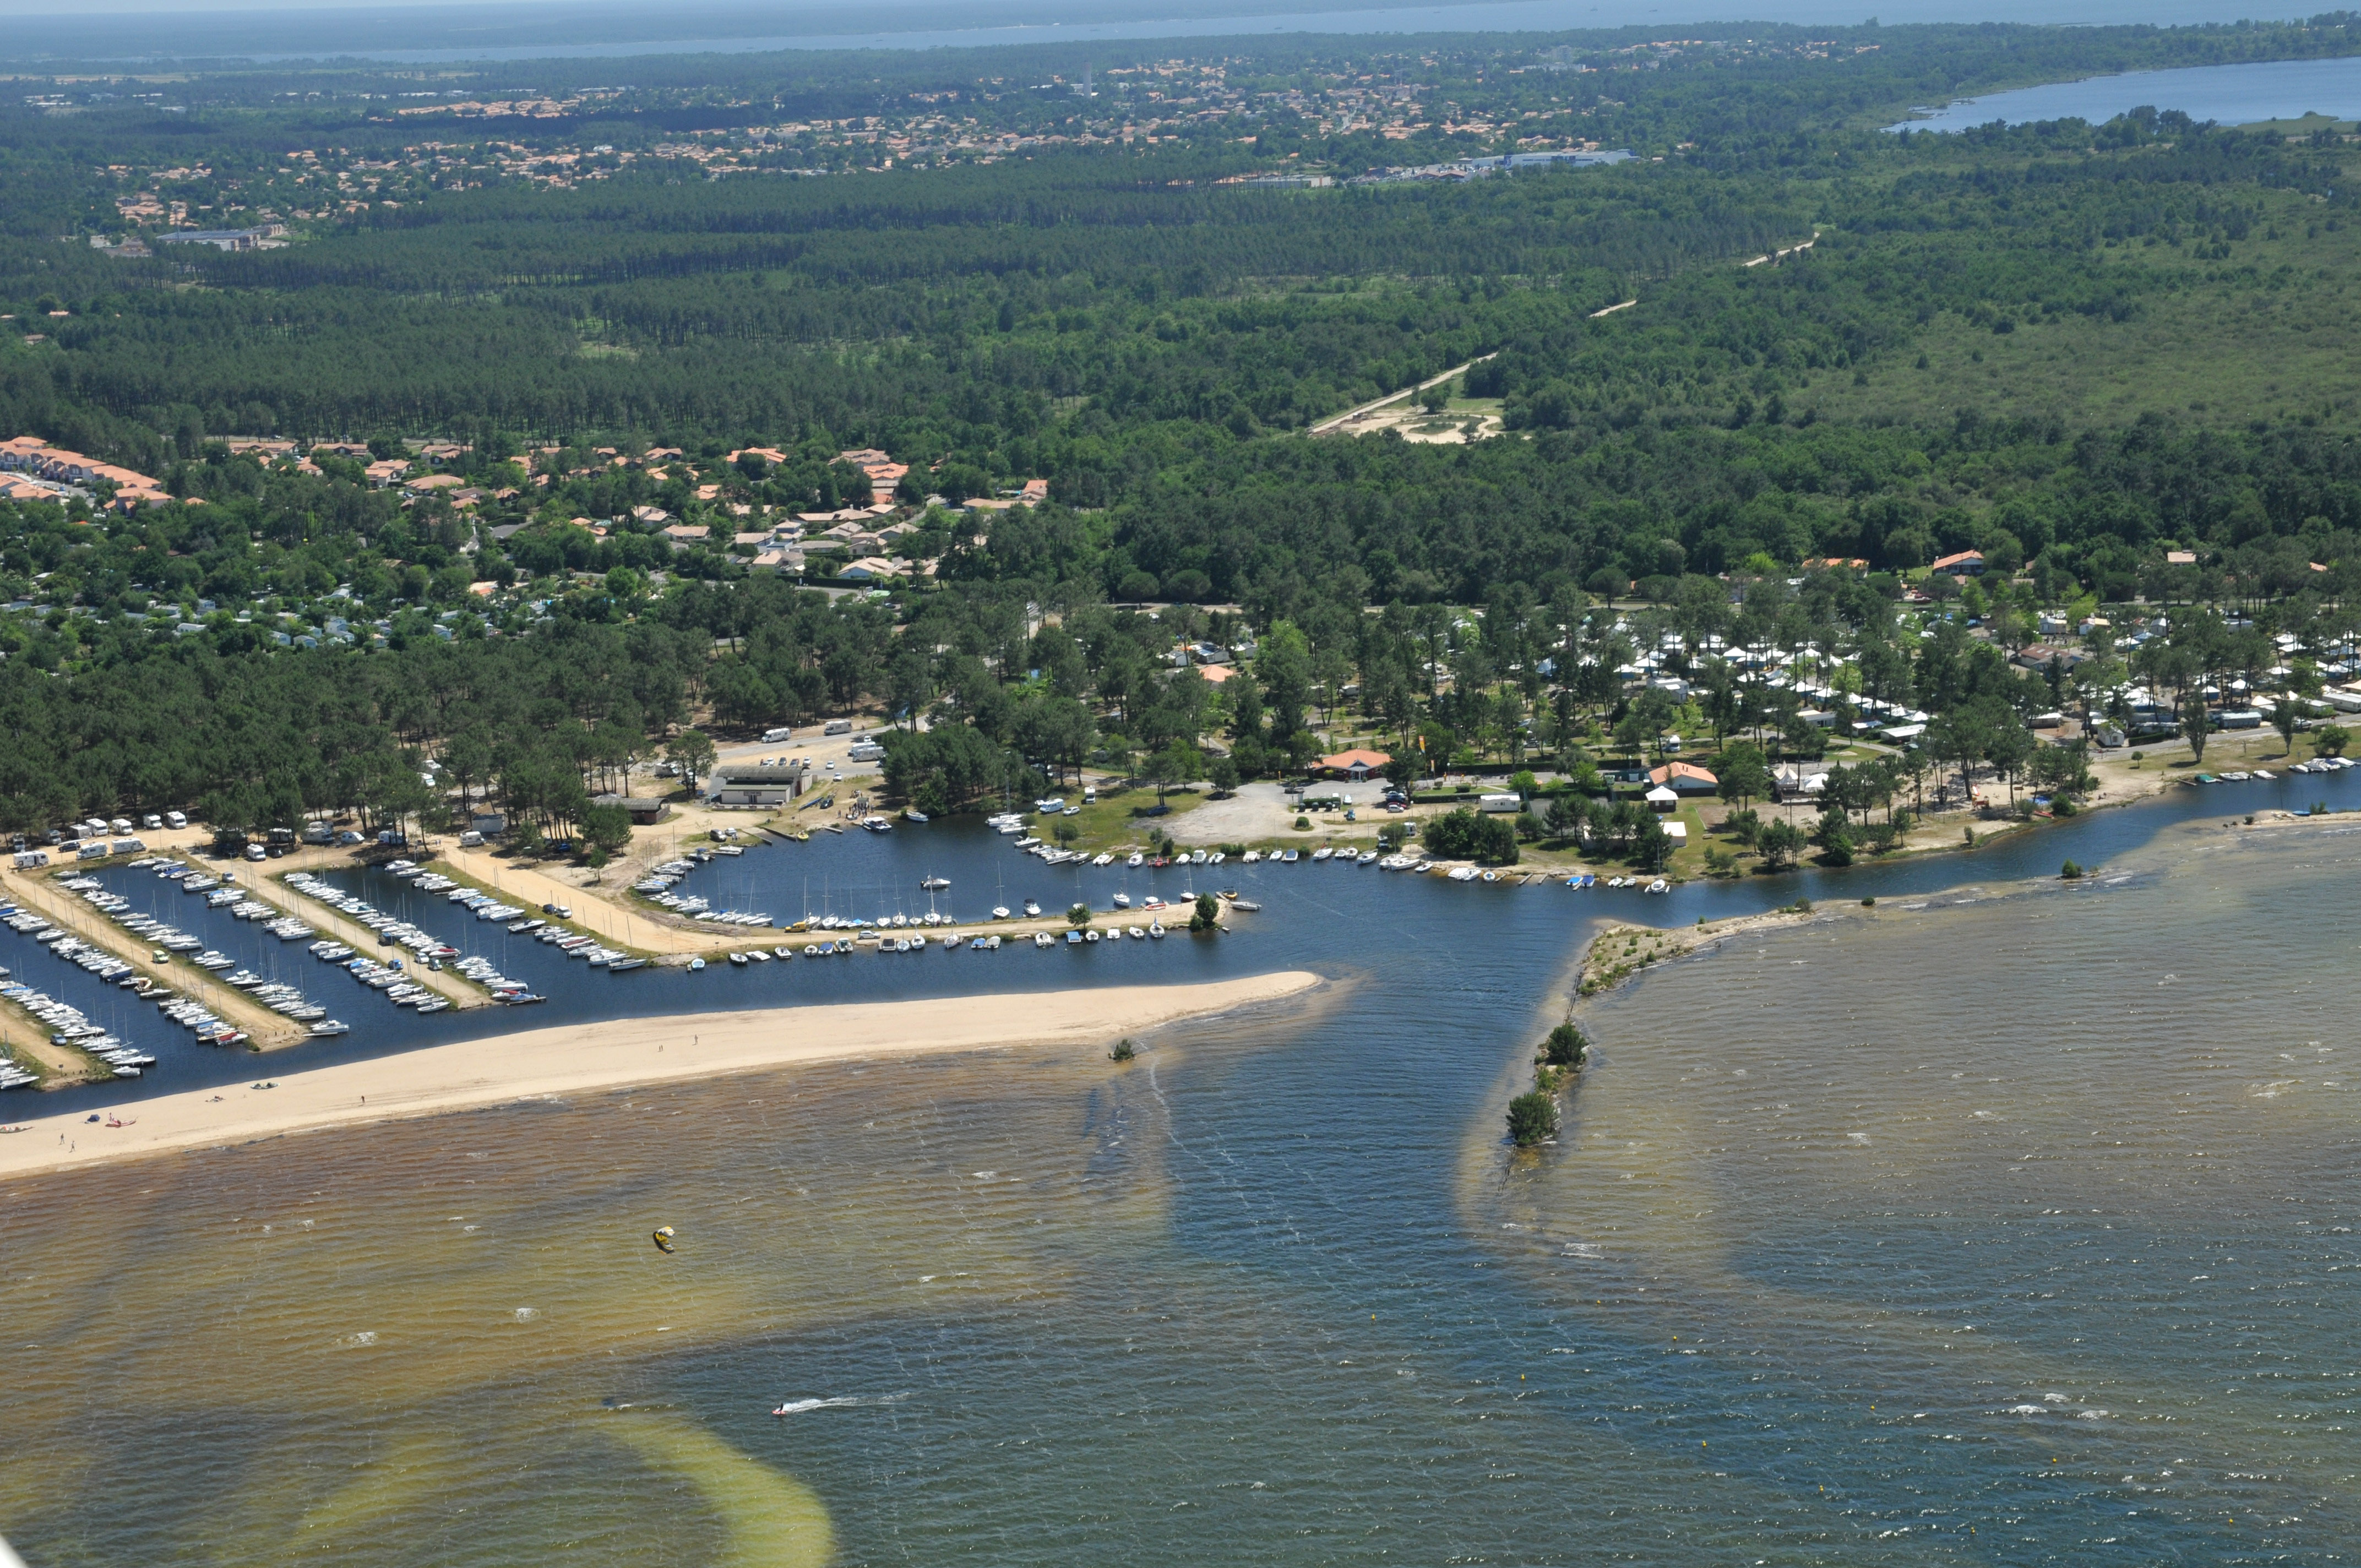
{"type": "Point", "coordinates": [175, 819]}
{"type": "Point", "coordinates": [781, 733]}
{"type": "Point", "coordinates": [838, 727]}
{"type": "Point", "coordinates": [867, 752]}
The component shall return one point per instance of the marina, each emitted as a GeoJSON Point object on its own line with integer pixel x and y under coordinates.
{"type": "Point", "coordinates": [857, 885]}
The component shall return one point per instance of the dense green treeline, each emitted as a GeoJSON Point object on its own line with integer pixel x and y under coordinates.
{"type": "Point", "coordinates": [248, 735]}
{"type": "Point", "coordinates": [1387, 520]}
{"type": "Point", "coordinates": [862, 312]}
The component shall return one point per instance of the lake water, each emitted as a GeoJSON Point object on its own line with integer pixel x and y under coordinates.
{"type": "Point", "coordinates": [2231, 95]}
{"type": "Point", "coordinates": [1983, 1225]}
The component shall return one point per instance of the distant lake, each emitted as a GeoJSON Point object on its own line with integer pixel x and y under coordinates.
{"type": "Point", "coordinates": [2232, 94]}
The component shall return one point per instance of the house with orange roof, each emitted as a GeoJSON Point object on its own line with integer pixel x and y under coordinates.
{"type": "Point", "coordinates": [1966, 564]}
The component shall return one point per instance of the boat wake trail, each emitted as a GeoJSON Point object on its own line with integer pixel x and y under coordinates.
{"type": "Point", "coordinates": [841, 1402]}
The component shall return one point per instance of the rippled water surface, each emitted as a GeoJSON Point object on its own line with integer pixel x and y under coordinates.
{"type": "Point", "coordinates": [1984, 1225]}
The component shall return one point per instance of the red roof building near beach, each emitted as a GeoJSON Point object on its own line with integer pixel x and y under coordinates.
{"type": "Point", "coordinates": [1355, 764]}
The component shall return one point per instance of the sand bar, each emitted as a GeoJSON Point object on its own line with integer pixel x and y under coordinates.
{"type": "Point", "coordinates": [573, 1058]}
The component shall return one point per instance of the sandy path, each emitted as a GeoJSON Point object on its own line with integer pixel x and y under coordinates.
{"type": "Point", "coordinates": [577, 1058]}
{"type": "Point", "coordinates": [597, 910]}
{"type": "Point", "coordinates": [1335, 421]}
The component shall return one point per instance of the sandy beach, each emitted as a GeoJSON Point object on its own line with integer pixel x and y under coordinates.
{"type": "Point", "coordinates": [575, 1059]}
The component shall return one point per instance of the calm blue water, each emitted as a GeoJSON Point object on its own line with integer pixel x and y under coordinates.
{"type": "Point", "coordinates": [1313, 916]}
{"type": "Point", "coordinates": [2230, 94]}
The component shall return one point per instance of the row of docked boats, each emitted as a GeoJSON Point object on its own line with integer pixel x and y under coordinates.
{"type": "Point", "coordinates": [589, 950]}
{"type": "Point", "coordinates": [393, 931]}
{"type": "Point", "coordinates": [389, 978]}
{"type": "Point", "coordinates": [287, 1001]}
{"type": "Point", "coordinates": [67, 1026]}
{"type": "Point", "coordinates": [883, 942]}
{"type": "Point", "coordinates": [658, 888]}
{"type": "Point", "coordinates": [1086, 937]}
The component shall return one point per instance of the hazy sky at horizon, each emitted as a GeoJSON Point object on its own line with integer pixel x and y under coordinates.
{"type": "Point", "coordinates": [519, 31]}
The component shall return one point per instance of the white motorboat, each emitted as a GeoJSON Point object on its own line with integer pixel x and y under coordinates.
{"type": "Point", "coordinates": [1136, 860]}
{"type": "Point", "coordinates": [1660, 885]}
{"type": "Point", "coordinates": [999, 912]}
{"type": "Point", "coordinates": [1032, 909]}
{"type": "Point", "coordinates": [1121, 900]}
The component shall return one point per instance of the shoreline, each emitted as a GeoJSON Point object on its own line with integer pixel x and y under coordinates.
{"type": "Point", "coordinates": [1598, 973]}
{"type": "Point", "coordinates": [577, 1058]}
